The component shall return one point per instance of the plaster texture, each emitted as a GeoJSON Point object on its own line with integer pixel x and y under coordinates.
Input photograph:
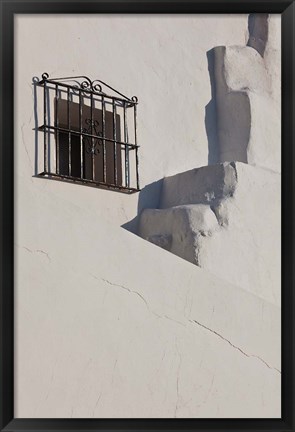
{"type": "Point", "coordinates": [107, 324]}
{"type": "Point", "coordinates": [247, 82]}
{"type": "Point", "coordinates": [162, 59]}
{"type": "Point", "coordinates": [226, 219]}
{"type": "Point", "coordinates": [132, 330]}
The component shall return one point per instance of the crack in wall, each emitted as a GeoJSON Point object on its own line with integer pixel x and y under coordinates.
{"type": "Point", "coordinates": [24, 143]}
{"type": "Point", "coordinates": [128, 290]}
{"type": "Point", "coordinates": [40, 251]}
{"type": "Point", "coordinates": [96, 404]}
{"type": "Point", "coordinates": [167, 317]}
{"type": "Point", "coordinates": [235, 346]}
{"type": "Point", "coordinates": [44, 253]}
{"type": "Point", "coordinates": [177, 380]}
{"type": "Point", "coordinates": [190, 321]}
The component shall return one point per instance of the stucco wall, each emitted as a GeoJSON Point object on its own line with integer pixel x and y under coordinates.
{"type": "Point", "coordinates": [106, 323]}
{"type": "Point", "coordinates": [115, 326]}
{"type": "Point", "coordinates": [163, 60]}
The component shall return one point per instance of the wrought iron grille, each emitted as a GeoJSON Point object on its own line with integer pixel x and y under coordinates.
{"type": "Point", "coordinates": [90, 136]}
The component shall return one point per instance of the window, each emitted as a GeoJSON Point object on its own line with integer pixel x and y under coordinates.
{"type": "Point", "coordinates": [89, 136]}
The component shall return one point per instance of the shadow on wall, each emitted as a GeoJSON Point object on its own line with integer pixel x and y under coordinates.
{"type": "Point", "coordinates": [211, 116]}
{"type": "Point", "coordinates": [235, 111]}
{"type": "Point", "coordinates": [149, 197]}
{"type": "Point", "coordinates": [258, 32]}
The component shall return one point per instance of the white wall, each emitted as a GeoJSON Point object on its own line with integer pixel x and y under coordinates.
{"type": "Point", "coordinates": [225, 218]}
{"type": "Point", "coordinates": [94, 303]}
{"type": "Point", "coordinates": [109, 325]}
{"type": "Point", "coordinates": [160, 59]}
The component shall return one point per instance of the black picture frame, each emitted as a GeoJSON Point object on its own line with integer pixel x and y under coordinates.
{"type": "Point", "coordinates": [8, 9]}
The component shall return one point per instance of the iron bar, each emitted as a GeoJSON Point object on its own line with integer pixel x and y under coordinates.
{"type": "Point", "coordinates": [92, 139]}
{"type": "Point", "coordinates": [86, 181]}
{"type": "Point", "coordinates": [115, 142]}
{"type": "Point", "coordinates": [85, 134]}
{"type": "Point", "coordinates": [136, 147]}
{"type": "Point", "coordinates": [126, 148]}
{"type": "Point", "coordinates": [104, 141]}
{"type": "Point", "coordinates": [45, 134]}
{"type": "Point", "coordinates": [81, 136]}
{"type": "Point", "coordinates": [69, 129]}
{"type": "Point", "coordinates": [56, 123]}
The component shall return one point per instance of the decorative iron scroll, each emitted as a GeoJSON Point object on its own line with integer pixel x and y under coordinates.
{"type": "Point", "coordinates": [92, 143]}
{"type": "Point", "coordinates": [82, 82]}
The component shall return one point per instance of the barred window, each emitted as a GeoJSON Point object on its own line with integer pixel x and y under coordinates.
{"type": "Point", "coordinates": [89, 136]}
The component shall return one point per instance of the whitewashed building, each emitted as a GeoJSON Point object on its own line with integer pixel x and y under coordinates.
{"type": "Point", "coordinates": [109, 324]}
